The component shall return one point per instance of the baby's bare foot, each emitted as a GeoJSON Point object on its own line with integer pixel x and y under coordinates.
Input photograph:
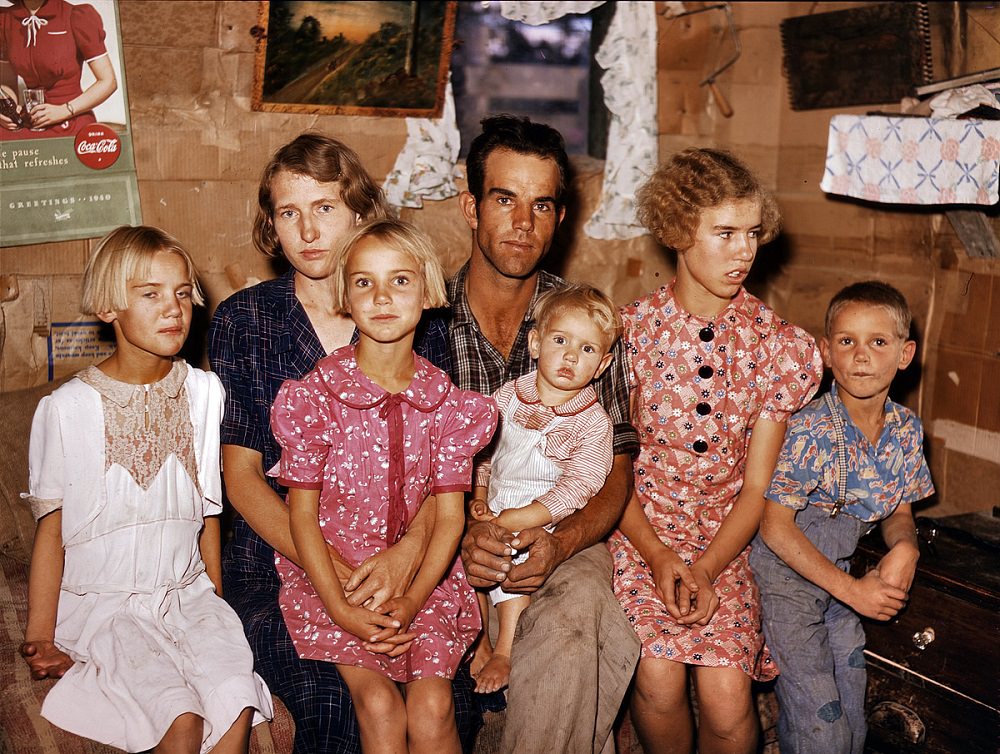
{"type": "Point", "coordinates": [480, 657]}
{"type": "Point", "coordinates": [494, 674]}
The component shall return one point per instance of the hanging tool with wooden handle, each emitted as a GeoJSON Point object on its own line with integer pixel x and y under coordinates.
{"type": "Point", "coordinates": [720, 100]}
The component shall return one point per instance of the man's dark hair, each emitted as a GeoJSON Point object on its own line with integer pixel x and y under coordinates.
{"type": "Point", "coordinates": [518, 134]}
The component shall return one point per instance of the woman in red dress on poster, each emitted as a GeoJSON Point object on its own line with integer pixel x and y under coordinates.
{"type": "Point", "coordinates": [46, 43]}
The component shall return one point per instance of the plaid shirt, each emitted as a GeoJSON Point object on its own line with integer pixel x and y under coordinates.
{"type": "Point", "coordinates": [477, 365]}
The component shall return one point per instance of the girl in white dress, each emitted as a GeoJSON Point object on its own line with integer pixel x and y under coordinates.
{"type": "Point", "coordinates": [123, 601]}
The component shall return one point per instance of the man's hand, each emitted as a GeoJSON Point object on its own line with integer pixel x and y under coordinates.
{"type": "Point", "coordinates": [45, 659]}
{"type": "Point", "coordinates": [486, 552]}
{"type": "Point", "coordinates": [543, 558]}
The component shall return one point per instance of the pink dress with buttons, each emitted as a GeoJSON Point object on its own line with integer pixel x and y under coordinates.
{"type": "Point", "coordinates": [376, 457]}
{"type": "Point", "coordinates": [700, 385]}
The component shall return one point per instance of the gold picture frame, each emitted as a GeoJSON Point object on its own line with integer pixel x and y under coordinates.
{"type": "Point", "coordinates": [330, 57]}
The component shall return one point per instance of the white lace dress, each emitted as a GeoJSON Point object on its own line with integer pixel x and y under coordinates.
{"type": "Point", "coordinates": [135, 468]}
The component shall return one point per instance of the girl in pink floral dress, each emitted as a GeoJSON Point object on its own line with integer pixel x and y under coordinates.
{"type": "Point", "coordinates": [716, 373]}
{"type": "Point", "coordinates": [366, 438]}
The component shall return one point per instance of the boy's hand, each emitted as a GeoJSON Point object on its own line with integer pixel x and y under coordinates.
{"type": "Point", "coordinates": [874, 598]}
{"type": "Point", "coordinates": [480, 511]}
{"type": "Point", "coordinates": [45, 659]}
{"type": "Point", "coordinates": [899, 565]}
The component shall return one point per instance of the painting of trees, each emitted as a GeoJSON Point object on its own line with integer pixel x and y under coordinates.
{"type": "Point", "coordinates": [377, 58]}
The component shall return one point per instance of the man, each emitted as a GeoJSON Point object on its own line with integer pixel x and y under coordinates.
{"type": "Point", "coordinates": [574, 653]}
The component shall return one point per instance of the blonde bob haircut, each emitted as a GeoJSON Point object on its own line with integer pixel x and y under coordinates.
{"type": "Point", "coordinates": [670, 203]}
{"type": "Point", "coordinates": [401, 236]}
{"type": "Point", "coordinates": [583, 298]}
{"type": "Point", "coordinates": [125, 254]}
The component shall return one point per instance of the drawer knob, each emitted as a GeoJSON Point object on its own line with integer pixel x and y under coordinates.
{"type": "Point", "coordinates": [923, 638]}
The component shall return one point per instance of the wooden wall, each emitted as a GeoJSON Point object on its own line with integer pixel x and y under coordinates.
{"type": "Point", "coordinates": [200, 148]}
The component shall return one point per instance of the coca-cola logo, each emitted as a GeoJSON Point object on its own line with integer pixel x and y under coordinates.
{"type": "Point", "coordinates": [98, 147]}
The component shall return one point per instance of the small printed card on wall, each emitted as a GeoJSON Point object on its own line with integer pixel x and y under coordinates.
{"type": "Point", "coordinates": [66, 163]}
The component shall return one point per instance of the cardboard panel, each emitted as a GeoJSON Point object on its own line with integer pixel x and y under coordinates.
{"type": "Point", "coordinates": [958, 384]}
{"type": "Point", "coordinates": [156, 73]}
{"type": "Point", "coordinates": [162, 23]}
{"type": "Point", "coordinates": [756, 116]}
{"type": "Point", "coordinates": [211, 218]}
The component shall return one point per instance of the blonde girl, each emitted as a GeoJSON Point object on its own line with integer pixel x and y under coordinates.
{"type": "Point", "coordinates": [124, 602]}
{"type": "Point", "coordinates": [366, 438]}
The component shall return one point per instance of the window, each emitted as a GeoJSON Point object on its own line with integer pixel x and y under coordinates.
{"type": "Point", "coordinates": [504, 66]}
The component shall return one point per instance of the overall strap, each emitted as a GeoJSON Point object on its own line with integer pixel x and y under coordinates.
{"type": "Point", "coordinates": [840, 494]}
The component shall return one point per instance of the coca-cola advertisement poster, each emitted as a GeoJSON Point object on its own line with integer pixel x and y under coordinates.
{"type": "Point", "coordinates": [66, 163]}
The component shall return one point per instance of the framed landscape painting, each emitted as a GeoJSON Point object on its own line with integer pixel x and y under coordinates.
{"type": "Point", "coordinates": [353, 58]}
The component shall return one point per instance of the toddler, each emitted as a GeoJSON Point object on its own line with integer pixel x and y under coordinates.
{"type": "Point", "coordinates": [554, 450]}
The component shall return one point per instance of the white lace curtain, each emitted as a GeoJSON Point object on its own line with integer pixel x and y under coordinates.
{"type": "Point", "coordinates": [426, 167]}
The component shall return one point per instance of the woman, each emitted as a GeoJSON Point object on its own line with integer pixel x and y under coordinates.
{"type": "Point", "coordinates": [312, 193]}
{"type": "Point", "coordinates": [46, 43]}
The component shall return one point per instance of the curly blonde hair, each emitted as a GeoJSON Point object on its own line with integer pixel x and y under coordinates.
{"type": "Point", "coordinates": [670, 203]}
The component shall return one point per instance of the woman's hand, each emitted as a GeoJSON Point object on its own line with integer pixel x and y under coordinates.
{"type": "Point", "coordinates": [45, 659]}
{"type": "Point", "coordinates": [674, 583]}
{"type": "Point", "coordinates": [47, 115]}
{"type": "Point", "coordinates": [383, 576]}
{"type": "Point", "coordinates": [7, 124]}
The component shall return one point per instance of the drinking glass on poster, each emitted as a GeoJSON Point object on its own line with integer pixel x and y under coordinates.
{"type": "Point", "coordinates": [32, 99]}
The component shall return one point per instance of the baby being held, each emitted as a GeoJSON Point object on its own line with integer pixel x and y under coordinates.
{"type": "Point", "coordinates": [554, 447]}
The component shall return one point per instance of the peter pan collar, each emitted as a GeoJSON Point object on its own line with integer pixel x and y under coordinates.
{"type": "Point", "coordinates": [349, 385]}
{"type": "Point", "coordinates": [121, 393]}
{"type": "Point", "coordinates": [526, 389]}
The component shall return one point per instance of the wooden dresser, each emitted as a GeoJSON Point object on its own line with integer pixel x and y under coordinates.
{"type": "Point", "coordinates": [934, 671]}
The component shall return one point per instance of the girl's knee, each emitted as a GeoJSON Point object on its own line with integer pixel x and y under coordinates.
{"type": "Point", "coordinates": [379, 701]}
{"type": "Point", "coordinates": [184, 735]}
{"type": "Point", "coordinates": [432, 703]}
{"type": "Point", "coordinates": [662, 684]}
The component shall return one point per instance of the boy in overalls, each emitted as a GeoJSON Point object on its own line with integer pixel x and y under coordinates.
{"type": "Point", "coordinates": [554, 450]}
{"type": "Point", "coordinates": [850, 458]}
